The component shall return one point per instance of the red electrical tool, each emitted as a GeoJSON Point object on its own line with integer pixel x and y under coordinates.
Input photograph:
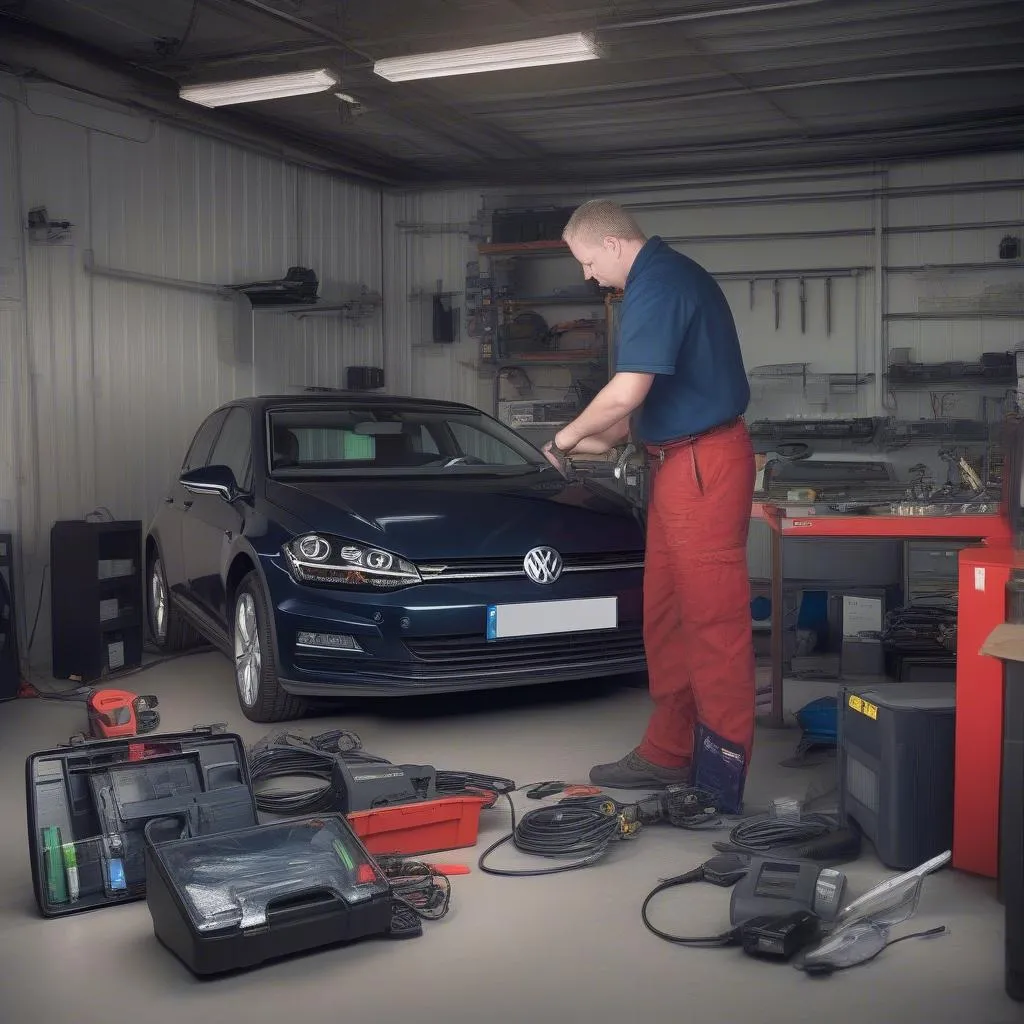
{"type": "Point", "coordinates": [118, 713]}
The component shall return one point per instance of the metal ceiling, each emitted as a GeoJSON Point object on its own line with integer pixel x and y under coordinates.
{"type": "Point", "coordinates": [682, 88]}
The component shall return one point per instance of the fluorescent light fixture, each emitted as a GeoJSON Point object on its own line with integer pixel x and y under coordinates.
{"type": "Point", "coordinates": [254, 90]}
{"type": "Point", "coordinates": [526, 53]}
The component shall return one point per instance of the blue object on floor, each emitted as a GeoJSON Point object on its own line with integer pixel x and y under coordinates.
{"type": "Point", "coordinates": [819, 721]}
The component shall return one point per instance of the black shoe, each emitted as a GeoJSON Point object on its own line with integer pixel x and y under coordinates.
{"type": "Point", "coordinates": [636, 772]}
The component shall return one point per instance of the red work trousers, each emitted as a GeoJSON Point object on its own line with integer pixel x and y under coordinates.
{"type": "Point", "coordinates": [697, 624]}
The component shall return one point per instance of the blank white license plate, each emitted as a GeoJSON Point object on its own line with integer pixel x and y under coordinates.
{"type": "Point", "coordinates": [542, 618]}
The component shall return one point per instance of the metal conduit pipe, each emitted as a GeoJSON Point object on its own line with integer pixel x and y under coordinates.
{"type": "Point", "coordinates": [92, 267]}
{"type": "Point", "coordinates": [785, 236]}
{"type": "Point", "coordinates": [850, 196]}
{"type": "Point", "coordinates": [725, 12]}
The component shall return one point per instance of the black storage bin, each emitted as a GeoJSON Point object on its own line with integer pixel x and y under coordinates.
{"type": "Point", "coordinates": [895, 766]}
{"type": "Point", "coordinates": [233, 900]}
{"type": "Point", "coordinates": [88, 806]}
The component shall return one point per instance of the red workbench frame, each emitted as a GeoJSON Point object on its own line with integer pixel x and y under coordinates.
{"type": "Point", "coordinates": [990, 529]}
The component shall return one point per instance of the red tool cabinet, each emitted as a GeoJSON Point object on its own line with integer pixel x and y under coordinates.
{"type": "Point", "coordinates": [984, 572]}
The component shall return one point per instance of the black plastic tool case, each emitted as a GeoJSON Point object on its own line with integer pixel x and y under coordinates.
{"type": "Point", "coordinates": [88, 806]}
{"type": "Point", "coordinates": [172, 818]}
{"type": "Point", "coordinates": [236, 899]}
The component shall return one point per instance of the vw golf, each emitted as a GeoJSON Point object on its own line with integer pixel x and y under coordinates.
{"type": "Point", "coordinates": [337, 545]}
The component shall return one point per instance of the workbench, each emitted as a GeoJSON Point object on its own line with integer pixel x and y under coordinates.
{"type": "Point", "coordinates": [983, 529]}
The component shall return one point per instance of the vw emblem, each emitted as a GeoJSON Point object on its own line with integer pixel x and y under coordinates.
{"type": "Point", "coordinates": [543, 565]}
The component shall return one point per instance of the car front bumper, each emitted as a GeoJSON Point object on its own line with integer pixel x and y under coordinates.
{"type": "Point", "coordinates": [432, 637]}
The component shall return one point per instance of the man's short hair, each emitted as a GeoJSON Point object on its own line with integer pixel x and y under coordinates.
{"type": "Point", "coordinates": [600, 218]}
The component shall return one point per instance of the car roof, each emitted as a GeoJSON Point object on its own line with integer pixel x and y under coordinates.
{"type": "Point", "coordinates": [327, 399]}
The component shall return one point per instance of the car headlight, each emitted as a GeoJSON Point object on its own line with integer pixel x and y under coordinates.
{"type": "Point", "coordinates": [316, 558]}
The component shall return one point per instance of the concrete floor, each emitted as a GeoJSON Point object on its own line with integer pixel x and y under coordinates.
{"type": "Point", "coordinates": [568, 947]}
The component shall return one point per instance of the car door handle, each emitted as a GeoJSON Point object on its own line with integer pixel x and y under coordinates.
{"type": "Point", "coordinates": [187, 504]}
{"type": "Point", "coordinates": [168, 501]}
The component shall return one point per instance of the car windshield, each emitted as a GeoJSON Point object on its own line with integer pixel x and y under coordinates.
{"type": "Point", "coordinates": [382, 440]}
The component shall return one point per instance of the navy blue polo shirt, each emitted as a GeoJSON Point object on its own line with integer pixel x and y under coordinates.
{"type": "Point", "coordinates": [675, 323]}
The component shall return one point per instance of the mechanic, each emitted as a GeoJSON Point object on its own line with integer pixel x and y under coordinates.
{"type": "Point", "coordinates": [680, 389]}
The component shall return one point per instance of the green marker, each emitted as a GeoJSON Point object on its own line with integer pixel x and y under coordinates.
{"type": "Point", "coordinates": [343, 855]}
{"type": "Point", "coordinates": [71, 868]}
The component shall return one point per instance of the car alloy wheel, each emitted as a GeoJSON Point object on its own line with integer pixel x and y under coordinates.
{"type": "Point", "coordinates": [158, 602]}
{"type": "Point", "coordinates": [248, 656]}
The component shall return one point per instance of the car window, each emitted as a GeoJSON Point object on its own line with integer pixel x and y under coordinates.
{"type": "Point", "coordinates": [202, 443]}
{"type": "Point", "coordinates": [234, 446]}
{"type": "Point", "coordinates": [477, 444]}
{"type": "Point", "coordinates": [381, 439]}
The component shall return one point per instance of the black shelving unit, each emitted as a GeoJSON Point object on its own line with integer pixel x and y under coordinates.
{"type": "Point", "coordinates": [96, 604]}
{"type": "Point", "coordinates": [10, 672]}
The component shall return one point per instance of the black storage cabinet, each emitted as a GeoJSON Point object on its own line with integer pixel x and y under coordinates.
{"type": "Point", "coordinates": [96, 604]}
{"type": "Point", "coordinates": [10, 670]}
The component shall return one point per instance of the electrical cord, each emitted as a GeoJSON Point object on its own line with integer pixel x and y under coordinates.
{"type": "Point", "coordinates": [413, 883]}
{"type": "Point", "coordinates": [724, 870]}
{"type": "Point", "coordinates": [580, 829]}
{"type": "Point", "coordinates": [454, 783]}
{"type": "Point", "coordinates": [763, 833]}
{"type": "Point", "coordinates": [287, 755]}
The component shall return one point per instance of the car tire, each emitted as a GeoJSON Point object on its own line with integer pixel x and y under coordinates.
{"type": "Point", "coordinates": [259, 693]}
{"type": "Point", "coordinates": [168, 629]}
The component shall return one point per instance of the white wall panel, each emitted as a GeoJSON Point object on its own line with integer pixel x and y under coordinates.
{"type": "Point", "coordinates": [123, 371]}
{"type": "Point", "coordinates": [13, 371]}
{"type": "Point", "coordinates": [417, 259]}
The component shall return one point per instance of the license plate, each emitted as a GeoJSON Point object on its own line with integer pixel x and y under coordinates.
{"type": "Point", "coordinates": [543, 618]}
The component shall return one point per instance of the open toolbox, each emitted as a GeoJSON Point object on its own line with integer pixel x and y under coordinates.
{"type": "Point", "coordinates": [172, 819]}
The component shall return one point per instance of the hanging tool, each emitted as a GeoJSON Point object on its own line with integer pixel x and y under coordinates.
{"type": "Point", "coordinates": [753, 282]}
{"type": "Point", "coordinates": [828, 305]}
{"type": "Point", "coordinates": [775, 295]}
{"type": "Point", "coordinates": [803, 306]}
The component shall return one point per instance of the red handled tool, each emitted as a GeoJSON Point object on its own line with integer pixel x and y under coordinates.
{"type": "Point", "coordinates": [118, 713]}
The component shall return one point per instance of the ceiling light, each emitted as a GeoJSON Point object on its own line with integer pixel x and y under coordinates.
{"type": "Point", "coordinates": [254, 90]}
{"type": "Point", "coordinates": [525, 53]}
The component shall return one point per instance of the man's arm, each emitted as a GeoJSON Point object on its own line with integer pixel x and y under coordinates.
{"type": "Point", "coordinates": [613, 404]}
{"type": "Point", "coordinates": [598, 444]}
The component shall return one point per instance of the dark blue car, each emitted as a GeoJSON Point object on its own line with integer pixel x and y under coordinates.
{"type": "Point", "coordinates": [355, 545]}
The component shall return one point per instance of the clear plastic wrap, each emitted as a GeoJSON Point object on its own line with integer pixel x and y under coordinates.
{"type": "Point", "coordinates": [862, 928]}
{"type": "Point", "coordinates": [233, 879]}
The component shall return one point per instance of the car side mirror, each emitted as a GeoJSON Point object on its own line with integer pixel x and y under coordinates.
{"type": "Point", "coordinates": [219, 480]}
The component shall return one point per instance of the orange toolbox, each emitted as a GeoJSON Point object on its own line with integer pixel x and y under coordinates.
{"type": "Point", "coordinates": [429, 826]}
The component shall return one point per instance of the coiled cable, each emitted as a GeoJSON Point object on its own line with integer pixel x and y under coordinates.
{"type": "Point", "coordinates": [580, 829]}
{"type": "Point", "coordinates": [763, 833]}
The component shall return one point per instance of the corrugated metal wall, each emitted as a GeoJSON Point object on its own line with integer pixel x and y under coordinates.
{"type": "Point", "coordinates": [122, 372]}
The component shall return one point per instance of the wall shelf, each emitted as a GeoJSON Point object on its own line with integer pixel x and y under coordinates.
{"type": "Point", "coordinates": [552, 247]}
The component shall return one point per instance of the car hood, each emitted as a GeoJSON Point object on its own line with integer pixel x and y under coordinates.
{"type": "Point", "coordinates": [465, 517]}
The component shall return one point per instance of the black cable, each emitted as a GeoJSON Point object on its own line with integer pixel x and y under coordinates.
{"type": "Point", "coordinates": [582, 830]}
{"type": "Point", "coordinates": [286, 755]}
{"type": "Point", "coordinates": [425, 892]}
{"type": "Point", "coordinates": [454, 783]}
{"type": "Point", "coordinates": [763, 833]}
{"type": "Point", "coordinates": [713, 941]}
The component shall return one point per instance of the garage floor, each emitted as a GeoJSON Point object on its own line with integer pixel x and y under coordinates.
{"type": "Point", "coordinates": [569, 946]}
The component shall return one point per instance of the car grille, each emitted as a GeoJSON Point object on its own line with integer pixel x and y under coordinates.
{"type": "Point", "coordinates": [488, 568]}
{"type": "Point", "coordinates": [461, 653]}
